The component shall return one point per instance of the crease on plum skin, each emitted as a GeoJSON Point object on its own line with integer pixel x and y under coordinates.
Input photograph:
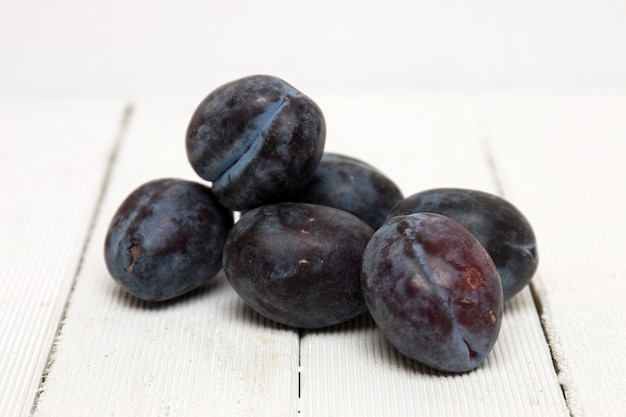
{"type": "Point", "coordinates": [238, 147]}
{"type": "Point", "coordinates": [422, 272]}
{"type": "Point", "coordinates": [425, 271]}
{"type": "Point", "coordinates": [459, 344]}
{"type": "Point", "coordinates": [255, 143]}
{"type": "Point", "coordinates": [472, 354]}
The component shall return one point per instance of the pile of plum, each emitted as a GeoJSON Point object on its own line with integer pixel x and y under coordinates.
{"type": "Point", "coordinates": [321, 238]}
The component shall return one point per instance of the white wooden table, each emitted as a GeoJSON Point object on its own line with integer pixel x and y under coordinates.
{"type": "Point", "coordinates": [73, 344]}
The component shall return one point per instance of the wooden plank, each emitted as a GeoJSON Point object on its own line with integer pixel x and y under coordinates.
{"type": "Point", "coordinates": [561, 157]}
{"type": "Point", "coordinates": [422, 141]}
{"type": "Point", "coordinates": [53, 156]}
{"type": "Point", "coordinates": [202, 354]}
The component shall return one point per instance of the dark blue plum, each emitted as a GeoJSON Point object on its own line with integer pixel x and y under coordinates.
{"type": "Point", "coordinates": [433, 291]}
{"type": "Point", "coordinates": [257, 139]}
{"type": "Point", "coordinates": [298, 264]}
{"type": "Point", "coordinates": [498, 225]}
{"type": "Point", "coordinates": [166, 239]}
{"type": "Point", "coordinates": [354, 186]}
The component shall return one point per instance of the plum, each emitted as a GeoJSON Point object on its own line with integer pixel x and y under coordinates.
{"type": "Point", "coordinates": [298, 264]}
{"type": "Point", "coordinates": [499, 226]}
{"type": "Point", "coordinates": [257, 139]}
{"type": "Point", "coordinates": [166, 239]}
{"type": "Point", "coordinates": [352, 185]}
{"type": "Point", "coordinates": [433, 291]}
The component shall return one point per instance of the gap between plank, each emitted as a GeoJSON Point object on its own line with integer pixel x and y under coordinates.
{"type": "Point", "coordinates": [533, 291]}
{"type": "Point", "coordinates": [121, 132]}
{"type": "Point", "coordinates": [299, 399]}
{"type": "Point", "coordinates": [546, 334]}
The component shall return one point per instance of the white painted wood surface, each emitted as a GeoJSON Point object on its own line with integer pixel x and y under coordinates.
{"type": "Point", "coordinates": [53, 158]}
{"type": "Point", "coordinates": [72, 343]}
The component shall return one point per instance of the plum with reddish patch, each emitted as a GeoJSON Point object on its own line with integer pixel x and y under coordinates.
{"type": "Point", "coordinates": [433, 290]}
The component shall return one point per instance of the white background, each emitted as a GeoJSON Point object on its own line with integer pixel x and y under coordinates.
{"type": "Point", "coordinates": [159, 47]}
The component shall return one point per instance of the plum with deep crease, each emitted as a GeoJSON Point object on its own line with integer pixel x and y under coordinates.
{"type": "Point", "coordinates": [257, 139]}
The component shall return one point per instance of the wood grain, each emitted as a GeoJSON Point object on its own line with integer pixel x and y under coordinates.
{"type": "Point", "coordinates": [53, 157]}
{"type": "Point", "coordinates": [67, 330]}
